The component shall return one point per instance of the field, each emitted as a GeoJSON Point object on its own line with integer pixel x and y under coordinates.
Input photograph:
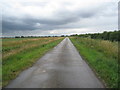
{"type": "Point", "coordinates": [102, 56]}
{"type": "Point", "coordinates": [21, 53]}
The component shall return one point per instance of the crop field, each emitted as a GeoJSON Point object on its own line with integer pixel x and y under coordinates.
{"type": "Point", "coordinates": [21, 53]}
{"type": "Point", "coordinates": [102, 56]}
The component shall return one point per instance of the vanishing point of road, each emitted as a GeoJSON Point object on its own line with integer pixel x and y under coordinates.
{"type": "Point", "coordinates": [61, 67]}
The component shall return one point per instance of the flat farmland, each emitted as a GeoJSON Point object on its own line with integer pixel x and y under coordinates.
{"type": "Point", "coordinates": [72, 63]}
{"type": "Point", "coordinates": [61, 67]}
{"type": "Point", "coordinates": [20, 53]}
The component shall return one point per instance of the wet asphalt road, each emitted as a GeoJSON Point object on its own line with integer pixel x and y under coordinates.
{"type": "Point", "coordinates": [61, 67]}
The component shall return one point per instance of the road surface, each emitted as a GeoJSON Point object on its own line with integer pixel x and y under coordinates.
{"type": "Point", "coordinates": [61, 67]}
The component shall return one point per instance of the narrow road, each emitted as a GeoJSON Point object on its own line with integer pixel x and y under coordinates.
{"type": "Point", "coordinates": [61, 67]}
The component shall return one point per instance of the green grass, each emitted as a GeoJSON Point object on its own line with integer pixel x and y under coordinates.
{"type": "Point", "coordinates": [102, 56]}
{"type": "Point", "coordinates": [13, 64]}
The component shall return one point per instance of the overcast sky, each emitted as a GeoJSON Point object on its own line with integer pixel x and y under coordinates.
{"type": "Point", "coordinates": [57, 17]}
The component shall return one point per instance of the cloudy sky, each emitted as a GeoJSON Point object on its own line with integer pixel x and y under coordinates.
{"type": "Point", "coordinates": [57, 17]}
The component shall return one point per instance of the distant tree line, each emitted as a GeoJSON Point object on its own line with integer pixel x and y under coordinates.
{"type": "Point", "coordinates": [33, 36]}
{"type": "Point", "coordinates": [112, 36]}
{"type": "Point", "coordinates": [39, 36]}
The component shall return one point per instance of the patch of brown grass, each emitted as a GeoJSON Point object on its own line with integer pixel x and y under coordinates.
{"type": "Point", "coordinates": [107, 47]}
{"type": "Point", "coordinates": [24, 45]}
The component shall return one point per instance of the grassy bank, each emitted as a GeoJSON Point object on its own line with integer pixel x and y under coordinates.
{"type": "Point", "coordinates": [21, 53]}
{"type": "Point", "coordinates": [102, 56]}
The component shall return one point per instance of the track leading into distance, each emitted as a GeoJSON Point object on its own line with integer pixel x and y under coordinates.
{"type": "Point", "coordinates": [61, 67]}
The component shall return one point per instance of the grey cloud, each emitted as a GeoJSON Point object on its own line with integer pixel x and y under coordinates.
{"type": "Point", "coordinates": [61, 19]}
{"type": "Point", "coordinates": [27, 23]}
{"type": "Point", "coordinates": [11, 25]}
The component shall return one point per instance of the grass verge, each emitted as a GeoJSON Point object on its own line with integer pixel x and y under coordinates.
{"type": "Point", "coordinates": [102, 56]}
{"type": "Point", "coordinates": [13, 64]}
